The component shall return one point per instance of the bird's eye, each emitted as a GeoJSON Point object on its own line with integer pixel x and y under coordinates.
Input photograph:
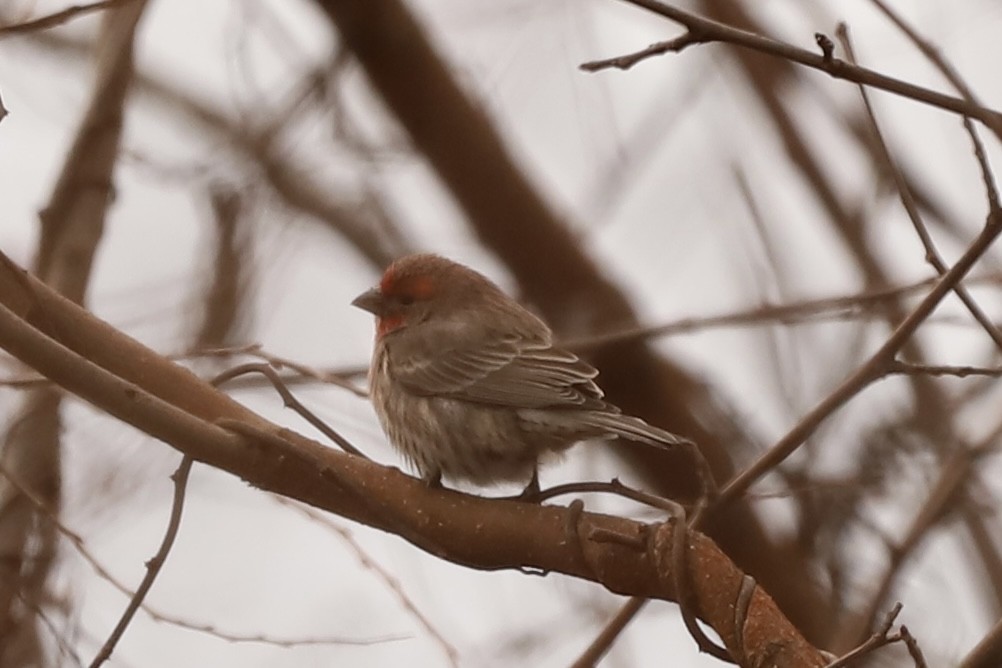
{"type": "Point", "coordinates": [406, 300]}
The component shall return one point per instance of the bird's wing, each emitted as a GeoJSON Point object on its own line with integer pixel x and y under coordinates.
{"type": "Point", "coordinates": [509, 372]}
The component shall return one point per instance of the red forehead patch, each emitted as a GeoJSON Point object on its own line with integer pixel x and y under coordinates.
{"type": "Point", "coordinates": [387, 281]}
{"type": "Point", "coordinates": [418, 287]}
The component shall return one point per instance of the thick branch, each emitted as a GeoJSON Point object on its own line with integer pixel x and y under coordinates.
{"type": "Point", "coordinates": [122, 377]}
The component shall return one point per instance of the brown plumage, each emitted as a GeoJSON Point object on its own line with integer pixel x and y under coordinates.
{"type": "Point", "coordinates": [466, 382]}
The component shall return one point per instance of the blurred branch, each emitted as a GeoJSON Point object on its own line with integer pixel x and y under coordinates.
{"type": "Point", "coordinates": [361, 221]}
{"type": "Point", "coordinates": [77, 541]}
{"type": "Point", "coordinates": [128, 381]}
{"type": "Point", "coordinates": [72, 225]}
{"type": "Point", "coordinates": [930, 52]}
{"type": "Point", "coordinates": [988, 652]}
{"type": "Point", "coordinates": [73, 220]}
{"type": "Point", "coordinates": [799, 312]}
{"type": "Point", "coordinates": [932, 255]}
{"type": "Point", "coordinates": [703, 31]}
{"type": "Point", "coordinates": [871, 370]}
{"type": "Point", "coordinates": [769, 78]}
{"type": "Point", "coordinates": [612, 630]}
{"type": "Point", "coordinates": [954, 476]}
{"type": "Point", "coordinates": [223, 299]}
{"type": "Point", "coordinates": [59, 18]}
{"type": "Point", "coordinates": [986, 549]}
{"type": "Point", "coordinates": [383, 575]}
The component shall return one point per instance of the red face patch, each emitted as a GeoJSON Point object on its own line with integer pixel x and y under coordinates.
{"type": "Point", "coordinates": [387, 324]}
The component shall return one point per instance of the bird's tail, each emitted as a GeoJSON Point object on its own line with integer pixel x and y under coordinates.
{"type": "Point", "coordinates": [634, 429]}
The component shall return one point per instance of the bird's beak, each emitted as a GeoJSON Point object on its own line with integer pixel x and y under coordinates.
{"type": "Point", "coordinates": [371, 301]}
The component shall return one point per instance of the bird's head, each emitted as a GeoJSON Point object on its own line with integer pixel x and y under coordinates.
{"type": "Point", "coordinates": [420, 287]}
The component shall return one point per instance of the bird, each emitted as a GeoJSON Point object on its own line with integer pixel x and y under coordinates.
{"type": "Point", "coordinates": [468, 384]}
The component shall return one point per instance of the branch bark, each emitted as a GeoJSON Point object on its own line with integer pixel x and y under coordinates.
{"type": "Point", "coordinates": [125, 379]}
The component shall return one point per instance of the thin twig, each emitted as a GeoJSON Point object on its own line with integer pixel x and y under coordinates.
{"type": "Point", "coordinates": [65, 649]}
{"type": "Point", "coordinates": [332, 377]}
{"type": "Point", "coordinates": [631, 59]}
{"type": "Point", "coordinates": [153, 566]}
{"type": "Point", "coordinates": [911, 644]}
{"type": "Point", "coordinates": [601, 644]}
{"type": "Point", "coordinates": [81, 547]}
{"type": "Point", "coordinates": [879, 639]}
{"type": "Point", "coordinates": [803, 311]}
{"type": "Point", "coordinates": [954, 476]}
{"type": "Point", "coordinates": [987, 176]}
{"type": "Point", "coordinates": [906, 368]}
{"type": "Point", "coordinates": [323, 376]}
{"type": "Point", "coordinates": [704, 30]}
{"type": "Point", "coordinates": [932, 255]}
{"type": "Point", "coordinates": [614, 487]}
{"type": "Point", "coordinates": [871, 370]}
{"type": "Point", "coordinates": [392, 582]}
{"type": "Point", "coordinates": [930, 52]}
{"type": "Point", "coordinates": [290, 401]}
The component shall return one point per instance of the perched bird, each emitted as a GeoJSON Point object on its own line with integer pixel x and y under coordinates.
{"type": "Point", "coordinates": [467, 383]}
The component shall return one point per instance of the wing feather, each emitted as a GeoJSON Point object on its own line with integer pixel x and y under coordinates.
{"type": "Point", "coordinates": [511, 371]}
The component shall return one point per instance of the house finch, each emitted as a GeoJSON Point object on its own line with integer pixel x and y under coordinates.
{"type": "Point", "coordinates": [467, 383]}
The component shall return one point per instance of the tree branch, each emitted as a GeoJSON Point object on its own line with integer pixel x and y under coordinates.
{"type": "Point", "coordinates": [702, 30]}
{"type": "Point", "coordinates": [131, 382]}
{"type": "Point", "coordinates": [874, 367]}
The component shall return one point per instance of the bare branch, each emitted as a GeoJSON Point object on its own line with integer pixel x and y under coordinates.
{"type": "Point", "coordinates": [153, 566]}
{"type": "Point", "coordinates": [898, 366]}
{"type": "Point", "coordinates": [171, 404]}
{"type": "Point", "coordinates": [988, 652]}
{"type": "Point", "coordinates": [391, 581]}
{"type": "Point", "coordinates": [58, 18]}
{"type": "Point", "coordinates": [872, 369]}
{"type": "Point", "coordinates": [932, 255]}
{"type": "Point", "coordinates": [881, 637]}
{"type": "Point", "coordinates": [628, 61]}
{"type": "Point", "coordinates": [77, 541]}
{"type": "Point", "coordinates": [702, 30]}
{"type": "Point", "coordinates": [598, 647]}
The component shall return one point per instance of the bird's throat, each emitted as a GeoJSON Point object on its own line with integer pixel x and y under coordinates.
{"type": "Point", "coordinates": [389, 323]}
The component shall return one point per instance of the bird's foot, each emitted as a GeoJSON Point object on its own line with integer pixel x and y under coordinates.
{"type": "Point", "coordinates": [531, 492]}
{"type": "Point", "coordinates": [432, 479]}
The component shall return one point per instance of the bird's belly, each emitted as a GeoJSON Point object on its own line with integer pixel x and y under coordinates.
{"type": "Point", "coordinates": [462, 440]}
